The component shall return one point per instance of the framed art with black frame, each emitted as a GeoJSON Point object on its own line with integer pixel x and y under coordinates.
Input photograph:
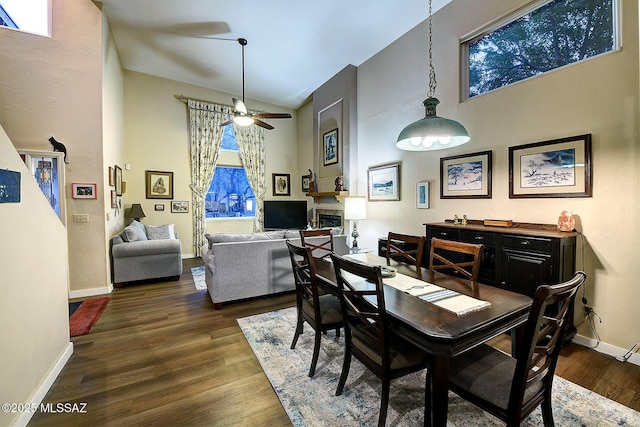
{"type": "Point", "coordinates": [281, 184]}
{"type": "Point", "coordinates": [118, 173]}
{"type": "Point", "coordinates": [466, 176]}
{"type": "Point", "coordinates": [555, 168]}
{"type": "Point", "coordinates": [330, 147]}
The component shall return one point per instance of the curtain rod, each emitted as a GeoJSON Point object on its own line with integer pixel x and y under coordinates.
{"type": "Point", "coordinates": [185, 99]}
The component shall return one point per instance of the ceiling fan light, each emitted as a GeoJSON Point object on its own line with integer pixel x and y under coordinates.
{"type": "Point", "coordinates": [243, 120]}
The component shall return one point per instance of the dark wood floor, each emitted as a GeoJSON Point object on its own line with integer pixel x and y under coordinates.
{"type": "Point", "coordinates": [161, 355]}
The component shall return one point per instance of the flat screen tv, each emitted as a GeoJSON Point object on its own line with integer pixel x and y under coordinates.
{"type": "Point", "coordinates": [285, 214]}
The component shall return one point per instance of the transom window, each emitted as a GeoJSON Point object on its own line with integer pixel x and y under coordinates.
{"type": "Point", "coordinates": [545, 36]}
{"type": "Point", "coordinates": [230, 194]}
{"type": "Point", "coordinates": [31, 16]}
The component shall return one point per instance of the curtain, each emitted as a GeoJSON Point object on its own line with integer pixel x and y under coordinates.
{"type": "Point", "coordinates": [205, 139]}
{"type": "Point", "coordinates": [251, 143]}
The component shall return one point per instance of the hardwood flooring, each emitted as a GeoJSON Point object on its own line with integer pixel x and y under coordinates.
{"type": "Point", "coordinates": [161, 355]}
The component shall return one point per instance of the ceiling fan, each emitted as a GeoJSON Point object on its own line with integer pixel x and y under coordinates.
{"type": "Point", "coordinates": [242, 116]}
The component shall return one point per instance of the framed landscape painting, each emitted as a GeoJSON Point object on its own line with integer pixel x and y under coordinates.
{"type": "Point", "coordinates": [384, 182]}
{"type": "Point", "coordinates": [555, 168]}
{"type": "Point", "coordinates": [466, 176]}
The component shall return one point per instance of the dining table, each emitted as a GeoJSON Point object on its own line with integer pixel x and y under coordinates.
{"type": "Point", "coordinates": [437, 330]}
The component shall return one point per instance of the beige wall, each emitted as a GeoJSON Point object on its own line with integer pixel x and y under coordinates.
{"type": "Point", "coordinates": [33, 310]}
{"type": "Point", "coordinates": [599, 96]}
{"type": "Point", "coordinates": [157, 138]}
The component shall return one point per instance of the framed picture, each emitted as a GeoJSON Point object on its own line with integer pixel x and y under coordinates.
{"type": "Point", "coordinates": [305, 183]}
{"type": "Point", "coordinates": [555, 168]}
{"type": "Point", "coordinates": [159, 185]}
{"type": "Point", "coordinates": [114, 199]}
{"type": "Point", "coordinates": [112, 177]}
{"type": "Point", "coordinates": [422, 195]}
{"type": "Point", "coordinates": [330, 147]}
{"type": "Point", "coordinates": [384, 182]}
{"type": "Point", "coordinates": [9, 186]}
{"type": "Point", "coordinates": [118, 178]}
{"type": "Point", "coordinates": [281, 185]}
{"type": "Point", "coordinates": [158, 207]}
{"type": "Point", "coordinates": [467, 176]}
{"type": "Point", "coordinates": [179, 207]}
{"type": "Point", "coordinates": [84, 190]}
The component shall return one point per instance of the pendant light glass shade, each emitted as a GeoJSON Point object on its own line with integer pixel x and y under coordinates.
{"type": "Point", "coordinates": [432, 132]}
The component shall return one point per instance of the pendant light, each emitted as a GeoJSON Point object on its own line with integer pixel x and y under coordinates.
{"type": "Point", "coordinates": [432, 132]}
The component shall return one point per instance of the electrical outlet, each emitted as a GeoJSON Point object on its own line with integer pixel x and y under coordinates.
{"type": "Point", "coordinates": [81, 218]}
{"type": "Point", "coordinates": [588, 310]}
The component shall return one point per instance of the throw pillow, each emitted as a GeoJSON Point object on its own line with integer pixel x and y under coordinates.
{"type": "Point", "coordinates": [160, 232]}
{"type": "Point", "coordinates": [134, 232]}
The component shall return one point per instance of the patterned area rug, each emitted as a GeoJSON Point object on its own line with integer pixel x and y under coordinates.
{"type": "Point", "coordinates": [311, 401]}
{"type": "Point", "coordinates": [198, 278]}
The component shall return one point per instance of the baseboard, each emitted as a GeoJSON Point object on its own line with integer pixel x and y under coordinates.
{"type": "Point", "coordinates": [187, 256]}
{"type": "Point", "coordinates": [607, 349]}
{"type": "Point", "coordinates": [41, 392]}
{"type": "Point", "coordinates": [83, 293]}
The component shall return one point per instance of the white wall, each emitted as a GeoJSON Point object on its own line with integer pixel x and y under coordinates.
{"type": "Point", "coordinates": [599, 96]}
{"type": "Point", "coordinates": [33, 310]}
{"type": "Point", "coordinates": [157, 138]}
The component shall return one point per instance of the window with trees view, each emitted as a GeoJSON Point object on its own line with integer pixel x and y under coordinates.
{"type": "Point", "coordinates": [230, 194]}
{"type": "Point", "coordinates": [548, 36]}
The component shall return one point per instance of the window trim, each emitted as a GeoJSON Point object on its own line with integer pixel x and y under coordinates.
{"type": "Point", "coordinates": [514, 15]}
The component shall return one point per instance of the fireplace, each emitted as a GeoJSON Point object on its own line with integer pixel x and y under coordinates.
{"type": "Point", "coordinates": [329, 218]}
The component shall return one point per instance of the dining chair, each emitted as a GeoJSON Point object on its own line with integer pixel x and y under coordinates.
{"type": "Point", "coordinates": [319, 247]}
{"type": "Point", "coordinates": [449, 254]}
{"type": "Point", "coordinates": [396, 249]}
{"type": "Point", "coordinates": [511, 388]}
{"type": "Point", "coordinates": [321, 312]}
{"type": "Point", "coordinates": [367, 333]}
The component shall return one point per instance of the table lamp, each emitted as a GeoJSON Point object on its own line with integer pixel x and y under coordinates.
{"type": "Point", "coordinates": [136, 212]}
{"type": "Point", "coordinates": [355, 208]}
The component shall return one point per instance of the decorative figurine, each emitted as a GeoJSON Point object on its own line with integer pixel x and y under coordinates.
{"type": "Point", "coordinates": [566, 222]}
{"type": "Point", "coordinates": [312, 182]}
{"type": "Point", "coordinates": [59, 146]}
{"type": "Point", "coordinates": [464, 220]}
{"type": "Point", "coordinates": [339, 182]}
{"type": "Point", "coordinates": [456, 220]}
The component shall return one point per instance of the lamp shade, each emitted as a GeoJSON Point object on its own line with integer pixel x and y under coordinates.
{"type": "Point", "coordinates": [432, 132]}
{"type": "Point", "coordinates": [355, 208]}
{"type": "Point", "coordinates": [136, 212]}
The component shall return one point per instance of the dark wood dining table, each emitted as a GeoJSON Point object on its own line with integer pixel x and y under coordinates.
{"type": "Point", "coordinates": [441, 333]}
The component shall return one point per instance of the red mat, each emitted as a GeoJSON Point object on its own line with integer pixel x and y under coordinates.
{"type": "Point", "coordinates": [86, 316]}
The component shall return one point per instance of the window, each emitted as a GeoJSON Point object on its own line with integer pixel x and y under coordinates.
{"type": "Point", "coordinates": [31, 16]}
{"type": "Point", "coordinates": [230, 194]}
{"type": "Point", "coordinates": [544, 37]}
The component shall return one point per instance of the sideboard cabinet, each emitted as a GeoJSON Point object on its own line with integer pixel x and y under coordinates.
{"type": "Point", "coordinates": [517, 258]}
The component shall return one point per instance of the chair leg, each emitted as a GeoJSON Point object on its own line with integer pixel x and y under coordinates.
{"type": "Point", "coordinates": [427, 401]}
{"type": "Point", "coordinates": [337, 332]}
{"type": "Point", "coordinates": [299, 330]}
{"type": "Point", "coordinates": [384, 403]}
{"type": "Point", "coordinates": [346, 364]}
{"type": "Point", "coordinates": [547, 411]}
{"type": "Point", "coordinates": [316, 353]}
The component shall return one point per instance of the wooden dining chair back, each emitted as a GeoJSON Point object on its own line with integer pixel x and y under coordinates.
{"type": "Point", "coordinates": [320, 248]}
{"type": "Point", "coordinates": [511, 388]}
{"type": "Point", "coordinates": [367, 333]}
{"type": "Point", "coordinates": [463, 258]}
{"type": "Point", "coordinates": [406, 248]}
{"type": "Point", "coordinates": [321, 312]}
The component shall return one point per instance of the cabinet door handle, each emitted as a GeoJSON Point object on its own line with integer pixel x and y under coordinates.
{"type": "Point", "coordinates": [444, 233]}
{"type": "Point", "coordinates": [479, 238]}
{"type": "Point", "coordinates": [525, 243]}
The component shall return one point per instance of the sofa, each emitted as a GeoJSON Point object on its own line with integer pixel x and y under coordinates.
{"type": "Point", "coordinates": [141, 252]}
{"type": "Point", "coordinates": [240, 266]}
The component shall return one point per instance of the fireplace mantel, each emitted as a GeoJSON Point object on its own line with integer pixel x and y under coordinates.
{"type": "Point", "coordinates": [339, 195]}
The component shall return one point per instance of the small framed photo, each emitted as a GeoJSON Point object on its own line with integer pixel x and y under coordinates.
{"type": "Point", "coordinates": [114, 199]}
{"type": "Point", "coordinates": [118, 178]}
{"type": "Point", "coordinates": [467, 176]}
{"type": "Point", "coordinates": [330, 147]}
{"type": "Point", "coordinates": [158, 207]}
{"type": "Point", "coordinates": [159, 185]}
{"type": "Point", "coordinates": [84, 190]}
{"type": "Point", "coordinates": [384, 182]}
{"type": "Point", "coordinates": [281, 185]}
{"type": "Point", "coordinates": [112, 177]}
{"type": "Point", "coordinates": [179, 207]}
{"type": "Point", "coordinates": [555, 168]}
{"type": "Point", "coordinates": [422, 195]}
{"type": "Point", "coordinates": [305, 183]}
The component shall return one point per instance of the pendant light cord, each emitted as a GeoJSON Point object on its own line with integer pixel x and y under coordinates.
{"type": "Point", "coordinates": [432, 71]}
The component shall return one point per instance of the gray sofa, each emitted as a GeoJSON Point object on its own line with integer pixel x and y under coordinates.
{"type": "Point", "coordinates": [240, 266]}
{"type": "Point", "coordinates": [141, 252]}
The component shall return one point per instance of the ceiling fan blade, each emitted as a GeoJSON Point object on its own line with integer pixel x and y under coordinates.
{"type": "Point", "coordinates": [263, 124]}
{"type": "Point", "coordinates": [273, 115]}
{"type": "Point", "coordinates": [228, 122]}
{"type": "Point", "coordinates": [239, 106]}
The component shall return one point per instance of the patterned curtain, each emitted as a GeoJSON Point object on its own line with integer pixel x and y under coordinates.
{"type": "Point", "coordinates": [206, 136]}
{"type": "Point", "coordinates": [253, 150]}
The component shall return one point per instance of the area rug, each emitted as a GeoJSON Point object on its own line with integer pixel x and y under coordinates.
{"type": "Point", "coordinates": [86, 315]}
{"type": "Point", "coordinates": [311, 401]}
{"type": "Point", "coordinates": [198, 278]}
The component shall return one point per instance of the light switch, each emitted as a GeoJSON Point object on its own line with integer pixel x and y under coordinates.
{"type": "Point", "coordinates": [80, 218]}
